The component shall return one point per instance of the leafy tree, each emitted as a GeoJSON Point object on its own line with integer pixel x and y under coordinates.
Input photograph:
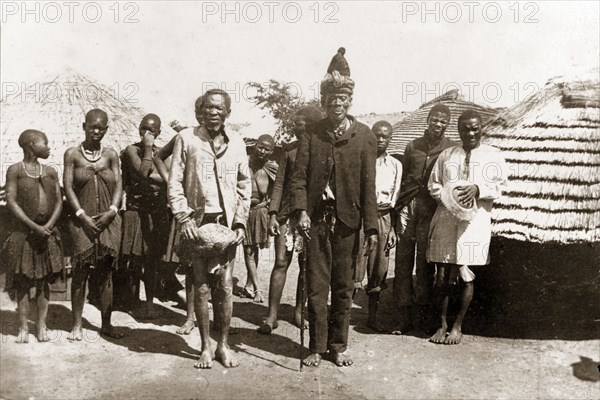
{"type": "Point", "coordinates": [282, 101]}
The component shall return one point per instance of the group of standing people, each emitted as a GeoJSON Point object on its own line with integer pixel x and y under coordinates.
{"type": "Point", "coordinates": [336, 196]}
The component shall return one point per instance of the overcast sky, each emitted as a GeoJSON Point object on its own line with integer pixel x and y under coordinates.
{"type": "Point", "coordinates": [400, 53]}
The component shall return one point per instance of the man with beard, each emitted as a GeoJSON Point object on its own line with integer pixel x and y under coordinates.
{"type": "Point", "coordinates": [282, 226]}
{"type": "Point", "coordinates": [416, 208]}
{"type": "Point", "coordinates": [461, 227]}
{"type": "Point", "coordinates": [333, 191]}
{"type": "Point", "coordinates": [209, 183]}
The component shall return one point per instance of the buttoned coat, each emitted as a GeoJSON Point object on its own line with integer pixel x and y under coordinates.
{"type": "Point", "coordinates": [351, 158]}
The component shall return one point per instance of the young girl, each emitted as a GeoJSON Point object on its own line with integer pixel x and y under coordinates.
{"type": "Point", "coordinates": [33, 251]}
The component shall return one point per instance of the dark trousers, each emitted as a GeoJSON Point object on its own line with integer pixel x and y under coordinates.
{"type": "Point", "coordinates": [413, 229]}
{"type": "Point", "coordinates": [331, 261]}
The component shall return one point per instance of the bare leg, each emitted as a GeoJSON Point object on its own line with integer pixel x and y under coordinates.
{"type": "Point", "coordinates": [251, 259]}
{"type": "Point", "coordinates": [23, 308]}
{"type": "Point", "coordinates": [298, 318]}
{"type": "Point", "coordinates": [106, 299]}
{"type": "Point", "coordinates": [150, 278]}
{"type": "Point", "coordinates": [223, 308]}
{"type": "Point", "coordinates": [442, 299]}
{"type": "Point", "coordinates": [80, 276]}
{"type": "Point", "coordinates": [455, 335]}
{"type": "Point", "coordinates": [43, 294]}
{"type": "Point", "coordinates": [283, 259]}
{"type": "Point", "coordinates": [201, 292]}
{"type": "Point", "coordinates": [188, 325]}
{"type": "Point", "coordinates": [133, 283]}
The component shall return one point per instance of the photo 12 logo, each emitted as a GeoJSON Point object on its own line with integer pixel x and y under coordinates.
{"type": "Point", "coordinates": [68, 92]}
{"type": "Point", "coordinates": [490, 92]}
{"type": "Point", "coordinates": [270, 11]}
{"type": "Point", "coordinates": [453, 12]}
{"type": "Point", "coordinates": [69, 11]}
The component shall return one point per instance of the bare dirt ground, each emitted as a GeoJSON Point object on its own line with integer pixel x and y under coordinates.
{"type": "Point", "coordinates": [153, 362]}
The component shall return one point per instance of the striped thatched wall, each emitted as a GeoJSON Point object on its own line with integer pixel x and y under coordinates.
{"type": "Point", "coordinates": [413, 125]}
{"type": "Point", "coordinates": [551, 142]}
{"type": "Point", "coordinates": [57, 106]}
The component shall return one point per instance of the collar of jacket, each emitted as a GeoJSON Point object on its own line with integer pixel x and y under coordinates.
{"type": "Point", "coordinates": [350, 132]}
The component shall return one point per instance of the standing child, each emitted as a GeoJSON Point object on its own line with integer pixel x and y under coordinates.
{"type": "Point", "coordinates": [33, 250]}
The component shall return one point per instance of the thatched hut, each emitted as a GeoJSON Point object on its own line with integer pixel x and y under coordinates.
{"type": "Point", "coordinates": [551, 143]}
{"type": "Point", "coordinates": [57, 105]}
{"type": "Point", "coordinates": [414, 124]}
{"type": "Point", "coordinates": [546, 248]}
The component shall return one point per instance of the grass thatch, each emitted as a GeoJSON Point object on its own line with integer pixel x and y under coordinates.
{"type": "Point", "coordinates": [551, 142]}
{"type": "Point", "coordinates": [414, 124]}
{"type": "Point", "coordinates": [57, 106]}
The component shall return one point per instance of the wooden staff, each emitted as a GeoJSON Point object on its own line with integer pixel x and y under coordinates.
{"type": "Point", "coordinates": [303, 265]}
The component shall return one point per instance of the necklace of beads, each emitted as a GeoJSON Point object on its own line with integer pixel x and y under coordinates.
{"type": "Point", "coordinates": [94, 157]}
{"type": "Point", "coordinates": [27, 172]}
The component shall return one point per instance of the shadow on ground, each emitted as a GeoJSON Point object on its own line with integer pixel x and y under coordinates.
{"type": "Point", "coordinates": [529, 291]}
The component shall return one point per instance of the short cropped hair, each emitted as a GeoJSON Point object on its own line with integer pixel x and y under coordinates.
{"type": "Point", "coordinates": [200, 100]}
{"type": "Point", "coordinates": [467, 115]}
{"type": "Point", "coordinates": [29, 136]}
{"type": "Point", "coordinates": [382, 124]}
{"type": "Point", "coordinates": [439, 107]}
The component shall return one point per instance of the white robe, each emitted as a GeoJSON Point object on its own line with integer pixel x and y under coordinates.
{"type": "Point", "coordinates": [452, 240]}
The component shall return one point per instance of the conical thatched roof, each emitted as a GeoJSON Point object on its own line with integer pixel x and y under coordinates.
{"type": "Point", "coordinates": [414, 124]}
{"type": "Point", "coordinates": [551, 142]}
{"type": "Point", "coordinates": [57, 106]}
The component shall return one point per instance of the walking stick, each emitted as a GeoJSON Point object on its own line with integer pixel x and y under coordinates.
{"type": "Point", "coordinates": [303, 258]}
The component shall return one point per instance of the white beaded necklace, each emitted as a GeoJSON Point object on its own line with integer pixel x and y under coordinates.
{"type": "Point", "coordinates": [92, 160]}
{"type": "Point", "coordinates": [27, 172]}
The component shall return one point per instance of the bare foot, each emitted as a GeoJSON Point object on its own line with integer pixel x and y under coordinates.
{"type": "Point", "coordinates": [258, 297]}
{"type": "Point", "coordinates": [267, 327]}
{"type": "Point", "coordinates": [341, 360]}
{"type": "Point", "coordinates": [205, 361]}
{"type": "Point", "coordinates": [111, 332]}
{"type": "Point", "coordinates": [186, 328]}
{"type": "Point", "coordinates": [298, 318]}
{"type": "Point", "coordinates": [225, 355]}
{"type": "Point", "coordinates": [76, 334]}
{"type": "Point", "coordinates": [312, 360]}
{"type": "Point", "coordinates": [247, 293]}
{"type": "Point", "coordinates": [42, 333]}
{"type": "Point", "coordinates": [439, 336]}
{"type": "Point", "coordinates": [23, 336]}
{"type": "Point", "coordinates": [454, 337]}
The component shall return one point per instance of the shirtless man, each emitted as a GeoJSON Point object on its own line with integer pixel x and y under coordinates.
{"type": "Point", "coordinates": [92, 182]}
{"type": "Point", "coordinates": [257, 236]}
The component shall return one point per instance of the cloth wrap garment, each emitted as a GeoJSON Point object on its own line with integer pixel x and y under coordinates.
{"type": "Point", "coordinates": [456, 241]}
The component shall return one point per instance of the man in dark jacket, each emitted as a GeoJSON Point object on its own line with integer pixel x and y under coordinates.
{"type": "Point", "coordinates": [333, 191]}
{"type": "Point", "coordinates": [282, 227]}
{"type": "Point", "coordinates": [415, 208]}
